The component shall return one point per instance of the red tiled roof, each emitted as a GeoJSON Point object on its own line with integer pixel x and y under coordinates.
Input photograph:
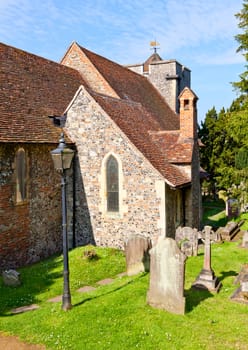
{"type": "Point", "coordinates": [136, 122]}
{"type": "Point", "coordinates": [31, 89]}
{"type": "Point", "coordinates": [176, 151]}
{"type": "Point", "coordinates": [132, 86]}
{"type": "Point", "coordinates": [142, 110]}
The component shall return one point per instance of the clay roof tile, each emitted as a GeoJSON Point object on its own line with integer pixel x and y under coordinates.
{"type": "Point", "coordinates": [31, 89]}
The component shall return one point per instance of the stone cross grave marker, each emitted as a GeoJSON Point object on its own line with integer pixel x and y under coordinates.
{"type": "Point", "coordinates": [167, 274]}
{"type": "Point", "coordinates": [207, 279]}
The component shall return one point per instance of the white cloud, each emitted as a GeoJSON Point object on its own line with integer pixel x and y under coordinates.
{"type": "Point", "coordinates": [123, 29]}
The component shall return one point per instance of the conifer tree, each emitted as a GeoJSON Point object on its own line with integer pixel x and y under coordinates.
{"type": "Point", "coordinates": [242, 39]}
{"type": "Point", "coordinates": [225, 134]}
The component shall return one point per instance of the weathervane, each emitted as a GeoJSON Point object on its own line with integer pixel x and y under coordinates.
{"type": "Point", "coordinates": [154, 45]}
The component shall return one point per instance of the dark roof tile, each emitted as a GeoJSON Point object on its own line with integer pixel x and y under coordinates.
{"type": "Point", "coordinates": [132, 86]}
{"type": "Point", "coordinates": [31, 89]}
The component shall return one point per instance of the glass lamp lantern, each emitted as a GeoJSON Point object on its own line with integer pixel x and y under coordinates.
{"type": "Point", "coordinates": [62, 156]}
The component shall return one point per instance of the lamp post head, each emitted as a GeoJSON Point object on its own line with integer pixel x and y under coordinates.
{"type": "Point", "coordinates": [62, 156]}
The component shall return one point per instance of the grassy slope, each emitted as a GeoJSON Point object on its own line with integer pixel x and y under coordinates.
{"type": "Point", "coordinates": [116, 316]}
{"type": "Point", "coordinates": [214, 214]}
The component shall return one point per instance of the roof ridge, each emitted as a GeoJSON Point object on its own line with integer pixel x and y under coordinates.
{"type": "Point", "coordinates": [85, 50]}
{"type": "Point", "coordinates": [161, 132]}
{"type": "Point", "coordinates": [29, 53]}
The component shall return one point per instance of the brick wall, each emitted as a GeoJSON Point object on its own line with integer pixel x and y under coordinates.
{"type": "Point", "coordinates": [31, 230]}
{"type": "Point", "coordinates": [188, 115]}
{"type": "Point", "coordinates": [188, 133]}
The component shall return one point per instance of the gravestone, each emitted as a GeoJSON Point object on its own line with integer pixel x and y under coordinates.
{"type": "Point", "coordinates": [245, 240]}
{"type": "Point", "coordinates": [232, 208]}
{"type": "Point", "coordinates": [244, 288]}
{"type": "Point", "coordinates": [207, 279]}
{"type": "Point", "coordinates": [228, 232]}
{"type": "Point", "coordinates": [167, 274]}
{"type": "Point", "coordinates": [214, 236]}
{"type": "Point", "coordinates": [137, 254]}
{"type": "Point", "coordinates": [241, 294]}
{"type": "Point", "coordinates": [11, 278]}
{"type": "Point", "coordinates": [187, 240]}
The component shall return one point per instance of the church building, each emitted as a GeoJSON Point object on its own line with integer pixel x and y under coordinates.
{"type": "Point", "coordinates": [136, 165]}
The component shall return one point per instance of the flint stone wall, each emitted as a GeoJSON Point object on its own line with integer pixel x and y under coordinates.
{"type": "Point", "coordinates": [142, 188]}
{"type": "Point", "coordinates": [168, 76]}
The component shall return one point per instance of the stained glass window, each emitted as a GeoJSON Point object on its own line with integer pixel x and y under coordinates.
{"type": "Point", "coordinates": [112, 173]}
{"type": "Point", "coordinates": [20, 176]}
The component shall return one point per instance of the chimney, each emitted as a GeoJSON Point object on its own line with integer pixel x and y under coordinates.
{"type": "Point", "coordinates": [188, 115]}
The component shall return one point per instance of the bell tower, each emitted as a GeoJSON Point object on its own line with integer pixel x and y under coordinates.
{"type": "Point", "coordinates": [168, 76]}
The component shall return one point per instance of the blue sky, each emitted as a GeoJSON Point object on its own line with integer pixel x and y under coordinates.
{"type": "Point", "coordinates": [197, 33]}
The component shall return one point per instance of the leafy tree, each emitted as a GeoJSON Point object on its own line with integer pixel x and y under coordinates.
{"type": "Point", "coordinates": [238, 125]}
{"type": "Point", "coordinates": [241, 159]}
{"type": "Point", "coordinates": [217, 155]}
{"type": "Point", "coordinates": [225, 134]}
{"type": "Point", "coordinates": [242, 39]}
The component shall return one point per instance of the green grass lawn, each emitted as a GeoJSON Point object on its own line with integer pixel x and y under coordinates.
{"type": "Point", "coordinates": [244, 216]}
{"type": "Point", "coordinates": [116, 316]}
{"type": "Point", "coordinates": [214, 214]}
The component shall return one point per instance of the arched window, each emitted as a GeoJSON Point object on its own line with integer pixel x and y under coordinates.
{"type": "Point", "coordinates": [112, 184]}
{"type": "Point", "coordinates": [21, 174]}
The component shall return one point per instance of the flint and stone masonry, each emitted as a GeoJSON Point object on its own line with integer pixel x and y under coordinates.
{"type": "Point", "coordinates": [142, 208]}
{"type": "Point", "coordinates": [168, 76]}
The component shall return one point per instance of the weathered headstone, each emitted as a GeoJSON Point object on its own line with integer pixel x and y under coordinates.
{"type": "Point", "coordinates": [244, 288]}
{"type": "Point", "coordinates": [11, 278]}
{"type": "Point", "coordinates": [245, 240]}
{"type": "Point", "coordinates": [207, 279]}
{"type": "Point", "coordinates": [167, 274]}
{"type": "Point", "coordinates": [228, 232]}
{"type": "Point", "coordinates": [232, 208]}
{"type": "Point", "coordinates": [137, 254]}
{"type": "Point", "coordinates": [187, 240]}
{"type": "Point", "coordinates": [241, 293]}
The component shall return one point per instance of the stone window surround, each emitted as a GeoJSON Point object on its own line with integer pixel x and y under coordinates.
{"type": "Point", "coordinates": [18, 200]}
{"type": "Point", "coordinates": [112, 180]}
{"type": "Point", "coordinates": [103, 188]}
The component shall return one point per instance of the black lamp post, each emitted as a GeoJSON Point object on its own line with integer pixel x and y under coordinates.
{"type": "Point", "coordinates": [62, 157]}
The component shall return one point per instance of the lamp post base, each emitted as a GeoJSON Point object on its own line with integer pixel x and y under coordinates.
{"type": "Point", "coordinates": [66, 303]}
